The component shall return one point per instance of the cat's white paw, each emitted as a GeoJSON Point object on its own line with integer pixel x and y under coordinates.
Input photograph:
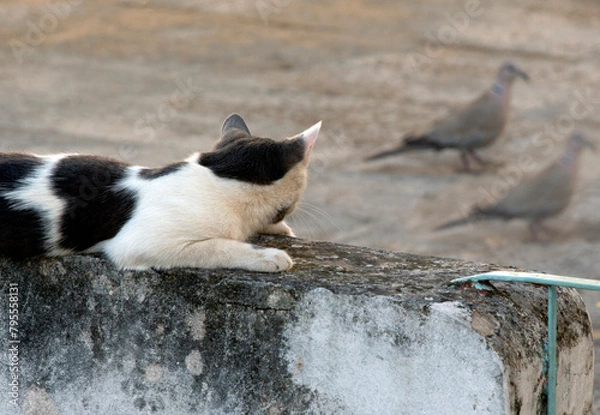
{"type": "Point", "coordinates": [271, 260]}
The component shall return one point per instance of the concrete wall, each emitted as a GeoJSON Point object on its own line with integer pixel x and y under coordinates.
{"type": "Point", "coordinates": [349, 331]}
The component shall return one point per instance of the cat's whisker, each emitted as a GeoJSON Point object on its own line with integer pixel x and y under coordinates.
{"type": "Point", "coordinates": [326, 223]}
{"type": "Point", "coordinates": [312, 220]}
{"type": "Point", "coordinates": [322, 212]}
{"type": "Point", "coordinates": [303, 227]}
{"type": "Point", "coordinates": [318, 213]}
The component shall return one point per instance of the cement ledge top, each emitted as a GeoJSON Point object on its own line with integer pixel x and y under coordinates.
{"type": "Point", "coordinates": [342, 269]}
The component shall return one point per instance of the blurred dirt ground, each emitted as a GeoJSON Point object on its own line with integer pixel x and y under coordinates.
{"type": "Point", "coordinates": [150, 81]}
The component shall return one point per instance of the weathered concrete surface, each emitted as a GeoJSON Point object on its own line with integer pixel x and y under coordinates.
{"type": "Point", "coordinates": [349, 331]}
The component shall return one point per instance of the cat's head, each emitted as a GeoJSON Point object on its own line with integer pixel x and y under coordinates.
{"type": "Point", "coordinates": [264, 162]}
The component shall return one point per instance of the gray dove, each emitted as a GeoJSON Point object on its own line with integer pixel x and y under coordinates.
{"type": "Point", "coordinates": [473, 126]}
{"type": "Point", "coordinates": [541, 196]}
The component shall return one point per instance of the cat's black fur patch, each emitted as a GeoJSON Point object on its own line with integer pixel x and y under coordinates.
{"type": "Point", "coordinates": [254, 160]}
{"type": "Point", "coordinates": [14, 167]}
{"type": "Point", "coordinates": [161, 171]}
{"type": "Point", "coordinates": [96, 210]}
{"type": "Point", "coordinates": [229, 138]}
{"type": "Point", "coordinates": [21, 230]}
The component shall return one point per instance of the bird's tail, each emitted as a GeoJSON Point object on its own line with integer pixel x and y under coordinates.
{"type": "Point", "coordinates": [410, 143]}
{"type": "Point", "coordinates": [476, 215]}
{"type": "Point", "coordinates": [456, 222]}
{"type": "Point", "coordinates": [387, 153]}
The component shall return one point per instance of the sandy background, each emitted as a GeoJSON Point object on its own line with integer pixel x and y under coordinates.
{"type": "Point", "coordinates": [150, 81]}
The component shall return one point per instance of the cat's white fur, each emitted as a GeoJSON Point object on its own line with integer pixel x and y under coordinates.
{"type": "Point", "coordinates": [204, 228]}
{"type": "Point", "coordinates": [188, 218]}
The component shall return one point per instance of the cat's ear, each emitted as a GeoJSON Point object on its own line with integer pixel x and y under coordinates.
{"type": "Point", "coordinates": [308, 139]}
{"type": "Point", "coordinates": [234, 126]}
{"type": "Point", "coordinates": [233, 129]}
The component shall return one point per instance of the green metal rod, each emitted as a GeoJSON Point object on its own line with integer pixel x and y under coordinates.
{"type": "Point", "coordinates": [545, 279]}
{"type": "Point", "coordinates": [552, 361]}
{"type": "Point", "coordinates": [552, 281]}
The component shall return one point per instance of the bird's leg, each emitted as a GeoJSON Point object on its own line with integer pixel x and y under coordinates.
{"type": "Point", "coordinates": [465, 160]}
{"type": "Point", "coordinates": [536, 228]}
{"type": "Point", "coordinates": [534, 231]}
{"type": "Point", "coordinates": [478, 158]}
{"type": "Point", "coordinates": [482, 161]}
{"type": "Point", "coordinates": [464, 156]}
{"type": "Point", "coordinates": [545, 228]}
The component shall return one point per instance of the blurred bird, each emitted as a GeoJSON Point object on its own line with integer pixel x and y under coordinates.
{"type": "Point", "coordinates": [541, 196]}
{"type": "Point", "coordinates": [473, 126]}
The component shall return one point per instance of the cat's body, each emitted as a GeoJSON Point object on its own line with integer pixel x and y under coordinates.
{"type": "Point", "coordinates": [196, 213]}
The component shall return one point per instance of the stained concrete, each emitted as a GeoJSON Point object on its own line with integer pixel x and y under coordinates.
{"type": "Point", "coordinates": [349, 330]}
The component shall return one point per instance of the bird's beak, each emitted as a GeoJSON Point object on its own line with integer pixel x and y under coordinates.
{"type": "Point", "coordinates": [583, 141]}
{"type": "Point", "coordinates": [523, 75]}
{"type": "Point", "coordinates": [592, 146]}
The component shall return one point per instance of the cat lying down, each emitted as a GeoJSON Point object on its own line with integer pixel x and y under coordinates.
{"type": "Point", "coordinates": [195, 213]}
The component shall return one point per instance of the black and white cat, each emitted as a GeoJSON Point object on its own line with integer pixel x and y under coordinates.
{"type": "Point", "coordinates": [195, 213]}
